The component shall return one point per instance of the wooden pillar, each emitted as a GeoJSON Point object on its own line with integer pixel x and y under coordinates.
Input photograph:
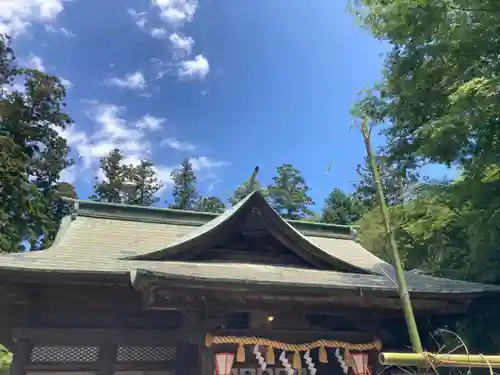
{"type": "Point", "coordinates": [206, 356]}
{"type": "Point", "coordinates": [107, 358]}
{"type": "Point", "coordinates": [373, 362]}
{"type": "Point", "coordinates": [21, 357]}
{"type": "Point", "coordinates": [187, 360]}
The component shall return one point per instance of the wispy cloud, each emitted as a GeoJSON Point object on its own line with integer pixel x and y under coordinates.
{"type": "Point", "coordinates": [17, 16]}
{"type": "Point", "coordinates": [176, 12]}
{"type": "Point", "coordinates": [158, 32]}
{"type": "Point", "coordinates": [148, 122]}
{"type": "Point", "coordinates": [195, 68]}
{"type": "Point", "coordinates": [66, 83]}
{"type": "Point", "coordinates": [138, 17]}
{"type": "Point", "coordinates": [182, 44]}
{"type": "Point", "coordinates": [34, 62]}
{"type": "Point", "coordinates": [175, 144]}
{"type": "Point", "coordinates": [131, 81]}
{"type": "Point", "coordinates": [112, 130]}
{"type": "Point", "coordinates": [206, 163]}
{"type": "Point", "coordinates": [60, 30]}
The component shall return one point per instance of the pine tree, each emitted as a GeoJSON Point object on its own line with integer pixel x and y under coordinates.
{"type": "Point", "coordinates": [210, 204]}
{"type": "Point", "coordinates": [141, 184]}
{"type": "Point", "coordinates": [396, 183]}
{"type": "Point", "coordinates": [111, 188]}
{"type": "Point", "coordinates": [340, 208]}
{"type": "Point", "coordinates": [288, 193]}
{"type": "Point", "coordinates": [184, 192]}
{"type": "Point", "coordinates": [32, 153]}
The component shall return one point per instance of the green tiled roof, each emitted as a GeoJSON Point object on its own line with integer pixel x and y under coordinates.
{"type": "Point", "coordinates": [118, 240]}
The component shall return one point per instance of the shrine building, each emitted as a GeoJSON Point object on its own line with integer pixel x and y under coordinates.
{"type": "Point", "coordinates": [128, 290]}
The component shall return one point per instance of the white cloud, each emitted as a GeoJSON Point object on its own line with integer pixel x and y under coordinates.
{"type": "Point", "coordinates": [61, 30]}
{"type": "Point", "coordinates": [181, 43]}
{"type": "Point", "coordinates": [112, 131]}
{"type": "Point", "coordinates": [68, 174]}
{"type": "Point", "coordinates": [66, 83]}
{"type": "Point", "coordinates": [176, 12]}
{"type": "Point", "coordinates": [206, 163]}
{"type": "Point", "coordinates": [139, 18]}
{"type": "Point", "coordinates": [132, 81]}
{"type": "Point", "coordinates": [149, 122]}
{"type": "Point", "coordinates": [158, 32]}
{"type": "Point", "coordinates": [195, 68]}
{"type": "Point", "coordinates": [34, 62]}
{"type": "Point", "coordinates": [66, 32]}
{"type": "Point", "coordinates": [211, 186]}
{"type": "Point", "coordinates": [178, 145]}
{"type": "Point", "coordinates": [17, 16]}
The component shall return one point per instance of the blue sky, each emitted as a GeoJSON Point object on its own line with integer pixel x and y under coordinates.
{"type": "Point", "coordinates": [231, 84]}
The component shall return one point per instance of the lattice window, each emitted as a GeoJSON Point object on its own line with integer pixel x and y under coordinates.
{"type": "Point", "coordinates": [146, 353]}
{"type": "Point", "coordinates": [64, 354]}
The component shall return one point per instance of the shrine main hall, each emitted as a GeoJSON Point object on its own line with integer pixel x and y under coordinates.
{"type": "Point", "coordinates": [127, 290]}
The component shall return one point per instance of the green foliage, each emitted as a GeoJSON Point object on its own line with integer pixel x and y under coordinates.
{"type": "Point", "coordinates": [111, 188]}
{"type": "Point", "coordinates": [439, 94]}
{"type": "Point", "coordinates": [440, 78]}
{"type": "Point", "coordinates": [32, 154]}
{"type": "Point", "coordinates": [142, 185]}
{"type": "Point", "coordinates": [288, 193]}
{"type": "Point", "coordinates": [184, 192]}
{"type": "Point", "coordinates": [126, 184]}
{"type": "Point", "coordinates": [397, 183]}
{"type": "Point", "coordinates": [210, 204]}
{"type": "Point", "coordinates": [5, 360]}
{"type": "Point", "coordinates": [340, 208]}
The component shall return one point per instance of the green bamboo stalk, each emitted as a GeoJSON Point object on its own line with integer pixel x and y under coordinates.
{"type": "Point", "coordinates": [403, 290]}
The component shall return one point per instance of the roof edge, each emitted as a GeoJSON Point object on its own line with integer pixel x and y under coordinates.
{"type": "Point", "coordinates": [66, 219]}
{"type": "Point", "coordinates": [194, 218]}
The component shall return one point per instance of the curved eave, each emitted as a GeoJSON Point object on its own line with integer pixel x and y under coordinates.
{"type": "Point", "coordinates": [211, 233]}
{"type": "Point", "coordinates": [319, 283]}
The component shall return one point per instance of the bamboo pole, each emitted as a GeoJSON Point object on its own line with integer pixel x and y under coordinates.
{"type": "Point", "coordinates": [403, 290]}
{"type": "Point", "coordinates": [425, 359]}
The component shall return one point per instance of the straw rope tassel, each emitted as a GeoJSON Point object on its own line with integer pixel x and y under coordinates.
{"type": "Point", "coordinates": [347, 357]}
{"type": "Point", "coordinates": [296, 361]}
{"type": "Point", "coordinates": [240, 354]}
{"type": "Point", "coordinates": [270, 359]}
{"type": "Point", "coordinates": [323, 357]}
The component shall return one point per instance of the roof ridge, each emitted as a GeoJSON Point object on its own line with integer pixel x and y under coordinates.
{"type": "Point", "coordinates": [127, 212]}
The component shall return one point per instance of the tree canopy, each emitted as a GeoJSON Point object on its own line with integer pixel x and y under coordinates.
{"type": "Point", "coordinates": [32, 154]}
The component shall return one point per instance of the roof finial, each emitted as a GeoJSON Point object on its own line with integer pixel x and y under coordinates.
{"type": "Point", "coordinates": [252, 181]}
{"type": "Point", "coordinates": [353, 233]}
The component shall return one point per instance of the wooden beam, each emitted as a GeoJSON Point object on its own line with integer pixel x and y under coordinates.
{"type": "Point", "coordinates": [94, 367]}
{"type": "Point", "coordinates": [97, 336]}
{"type": "Point", "coordinates": [160, 298]}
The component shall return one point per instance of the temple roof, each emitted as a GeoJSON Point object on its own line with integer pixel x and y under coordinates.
{"type": "Point", "coordinates": [129, 242]}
